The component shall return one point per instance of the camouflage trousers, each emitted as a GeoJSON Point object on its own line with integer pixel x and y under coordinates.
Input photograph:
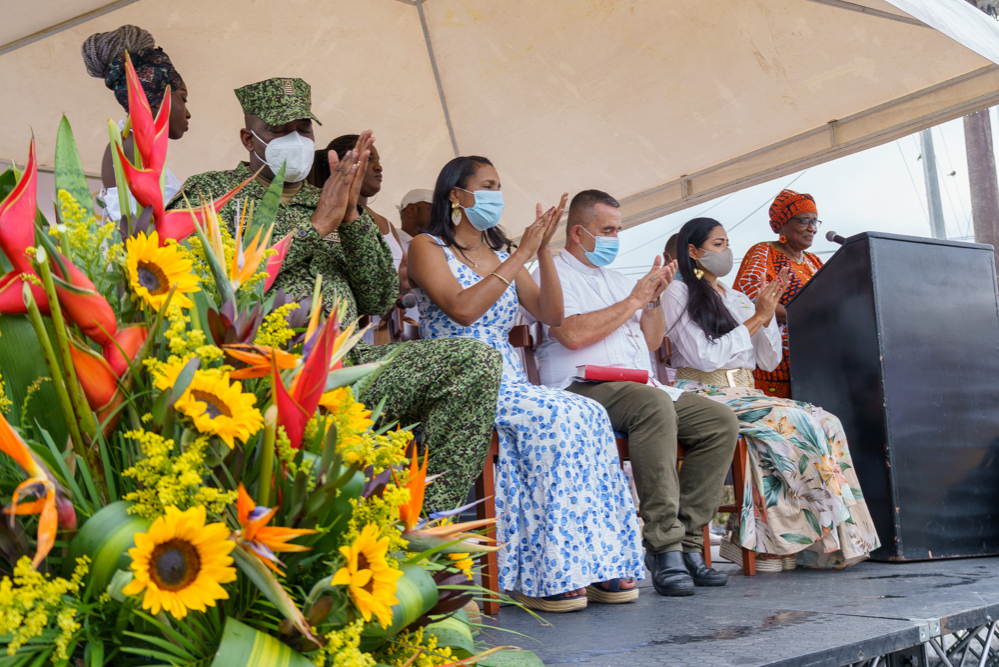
{"type": "Point", "coordinates": [450, 386]}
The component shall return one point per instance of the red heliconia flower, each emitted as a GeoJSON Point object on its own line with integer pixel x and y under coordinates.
{"type": "Point", "coordinates": [296, 409]}
{"type": "Point", "coordinates": [81, 302]}
{"type": "Point", "coordinates": [128, 341]}
{"type": "Point", "coordinates": [151, 137]}
{"type": "Point", "coordinates": [274, 262]}
{"type": "Point", "coordinates": [98, 380]}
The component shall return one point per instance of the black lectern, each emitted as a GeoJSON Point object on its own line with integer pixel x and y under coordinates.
{"type": "Point", "coordinates": [898, 336]}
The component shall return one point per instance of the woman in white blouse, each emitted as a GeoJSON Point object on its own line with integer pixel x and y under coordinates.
{"type": "Point", "coordinates": [802, 503]}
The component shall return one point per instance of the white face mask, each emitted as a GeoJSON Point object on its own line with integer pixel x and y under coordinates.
{"type": "Point", "coordinates": [294, 151]}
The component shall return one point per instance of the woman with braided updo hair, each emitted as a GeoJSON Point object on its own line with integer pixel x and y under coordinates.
{"type": "Point", "coordinates": [104, 56]}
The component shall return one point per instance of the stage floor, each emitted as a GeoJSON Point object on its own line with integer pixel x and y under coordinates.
{"type": "Point", "coordinates": [797, 618]}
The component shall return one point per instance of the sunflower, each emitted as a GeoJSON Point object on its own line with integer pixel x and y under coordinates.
{"type": "Point", "coordinates": [368, 576]}
{"type": "Point", "coordinates": [181, 563]}
{"type": "Point", "coordinates": [153, 270]}
{"type": "Point", "coordinates": [213, 405]}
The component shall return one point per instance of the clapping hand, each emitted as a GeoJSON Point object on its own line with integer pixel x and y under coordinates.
{"type": "Point", "coordinates": [651, 286]}
{"type": "Point", "coordinates": [538, 235]}
{"type": "Point", "coordinates": [770, 294]}
{"type": "Point", "coordinates": [338, 199]}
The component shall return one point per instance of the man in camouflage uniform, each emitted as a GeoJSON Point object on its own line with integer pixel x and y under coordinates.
{"type": "Point", "coordinates": [450, 386]}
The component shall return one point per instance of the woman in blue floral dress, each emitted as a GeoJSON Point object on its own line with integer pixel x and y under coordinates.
{"type": "Point", "coordinates": [565, 510]}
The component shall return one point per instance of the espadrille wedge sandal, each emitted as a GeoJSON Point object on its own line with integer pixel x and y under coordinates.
{"type": "Point", "coordinates": [555, 604]}
{"type": "Point", "coordinates": [613, 594]}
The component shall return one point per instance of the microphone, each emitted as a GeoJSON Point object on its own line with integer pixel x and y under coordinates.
{"type": "Point", "coordinates": [835, 238]}
{"type": "Point", "coordinates": [406, 301]}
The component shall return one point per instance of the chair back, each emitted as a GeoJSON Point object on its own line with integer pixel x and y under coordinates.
{"type": "Point", "coordinates": [527, 338]}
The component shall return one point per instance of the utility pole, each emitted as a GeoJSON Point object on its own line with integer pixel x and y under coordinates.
{"type": "Point", "coordinates": [982, 175]}
{"type": "Point", "coordinates": [937, 228]}
{"type": "Point", "coordinates": [982, 164]}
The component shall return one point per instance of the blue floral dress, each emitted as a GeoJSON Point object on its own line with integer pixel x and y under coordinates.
{"type": "Point", "coordinates": [565, 511]}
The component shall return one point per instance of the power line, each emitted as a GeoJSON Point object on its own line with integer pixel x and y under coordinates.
{"type": "Point", "coordinates": [729, 229]}
{"type": "Point", "coordinates": [919, 197]}
{"type": "Point", "coordinates": [701, 214]}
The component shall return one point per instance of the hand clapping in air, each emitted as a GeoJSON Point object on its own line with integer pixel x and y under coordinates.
{"type": "Point", "coordinates": [539, 233]}
{"type": "Point", "coordinates": [338, 200]}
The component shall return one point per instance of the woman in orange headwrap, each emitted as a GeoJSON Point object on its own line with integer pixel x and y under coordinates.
{"type": "Point", "coordinates": [795, 217]}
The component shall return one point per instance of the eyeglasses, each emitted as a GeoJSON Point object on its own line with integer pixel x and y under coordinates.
{"type": "Point", "coordinates": [805, 223]}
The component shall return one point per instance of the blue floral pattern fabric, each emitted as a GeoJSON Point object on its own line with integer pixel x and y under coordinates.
{"type": "Point", "coordinates": [564, 508]}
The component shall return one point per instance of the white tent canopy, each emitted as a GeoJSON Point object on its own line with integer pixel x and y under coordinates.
{"type": "Point", "coordinates": [662, 103]}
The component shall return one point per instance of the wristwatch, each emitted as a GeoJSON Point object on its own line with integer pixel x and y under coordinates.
{"type": "Point", "coordinates": [654, 304]}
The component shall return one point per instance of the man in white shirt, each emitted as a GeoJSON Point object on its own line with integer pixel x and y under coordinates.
{"type": "Point", "coordinates": [414, 214]}
{"type": "Point", "coordinates": [612, 321]}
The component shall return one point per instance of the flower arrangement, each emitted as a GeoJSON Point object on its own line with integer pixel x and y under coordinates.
{"type": "Point", "coordinates": [189, 471]}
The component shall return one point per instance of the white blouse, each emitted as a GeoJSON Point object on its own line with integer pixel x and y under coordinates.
{"type": "Point", "coordinates": [736, 349]}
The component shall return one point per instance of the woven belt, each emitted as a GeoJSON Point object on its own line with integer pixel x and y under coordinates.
{"type": "Point", "coordinates": [735, 377]}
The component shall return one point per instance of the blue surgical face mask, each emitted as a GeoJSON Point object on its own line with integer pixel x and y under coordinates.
{"type": "Point", "coordinates": [604, 249]}
{"type": "Point", "coordinates": [487, 210]}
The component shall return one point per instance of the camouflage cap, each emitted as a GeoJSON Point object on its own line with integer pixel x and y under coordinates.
{"type": "Point", "coordinates": [277, 101]}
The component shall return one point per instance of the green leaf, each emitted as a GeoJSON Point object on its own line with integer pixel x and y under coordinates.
{"type": "Point", "coordinates": [163, 644]}
{"type": "Point", "coordinates": [184, 379]}
{"type": "Point", "coordinates": [802, 465]}
{"type": "Point", "coordinates": [417, 594]}
{"type": "Point", "coordinates": [265, 581]}
{"type": "Point", "coordinates": [455, 634]}
{"type": "Point", "coordinates": [215, 265]}
{"type": "Point", "coordinates": [124, 194]}
{"type": "Point", "coordinates": [342, 377]}
{"type": "Point", "coordinates": [242, 646]}
{"type": "Point", "coordinates": [106, 538]}
{"type": "Point", "coordinates": [797, 538]}
{"type": "Point", "coordinates": [69, 174]}
{"type": "Point", "coordinates": [8, 180]}
{"type": "Point", "coordinates": [265, 213]}
{"type": "Point", "coordinates": [21, 363]}
{"type": "Point", "coordinates": [512, 659]}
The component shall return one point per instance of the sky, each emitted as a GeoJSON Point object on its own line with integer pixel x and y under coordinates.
{"type": "Point", "coordinates": [880, 189]}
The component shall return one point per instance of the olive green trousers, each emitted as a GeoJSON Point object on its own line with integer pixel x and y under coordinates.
{"type": "Point", "coordinates": [674, 504]}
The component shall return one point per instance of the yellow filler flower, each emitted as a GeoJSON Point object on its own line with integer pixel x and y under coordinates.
{"type": "Point", "coordinates": [181, 563]}
{"type": "Point", "coordinates": [215, 406]}
{"type": "Point", "coordinates": [153, 270]}
{"type": "Point", "coordinates": [368, 576]}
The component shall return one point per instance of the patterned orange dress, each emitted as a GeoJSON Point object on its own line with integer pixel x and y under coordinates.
{"type": "Point", "coordinates": [764, 261]}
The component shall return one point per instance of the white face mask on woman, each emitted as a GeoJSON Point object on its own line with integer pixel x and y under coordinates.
{"type": "Point", "coordinates": [294, 151]}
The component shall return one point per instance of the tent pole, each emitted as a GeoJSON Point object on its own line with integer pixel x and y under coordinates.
{"type": "Point", "coordinates": [437, 77]}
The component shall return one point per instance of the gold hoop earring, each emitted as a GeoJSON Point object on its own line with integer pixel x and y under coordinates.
{"type": "Point", "coordinates": [455, 213]}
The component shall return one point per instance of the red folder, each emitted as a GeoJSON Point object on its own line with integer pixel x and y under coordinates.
{"type": "Point", "coordinates": [612, 374]}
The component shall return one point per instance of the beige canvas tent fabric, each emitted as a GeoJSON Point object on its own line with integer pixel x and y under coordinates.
{"type": "Point", "coordinates": [660, 102]}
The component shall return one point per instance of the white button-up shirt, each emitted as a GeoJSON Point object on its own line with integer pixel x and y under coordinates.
{"type": "Point", "coordinates": [736, 349]}
{"type": "Point", "coordinates": [584, 290]}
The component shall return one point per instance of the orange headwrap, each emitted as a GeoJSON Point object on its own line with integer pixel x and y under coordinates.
{"type": "Point", "coordinates": [787, 205]}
